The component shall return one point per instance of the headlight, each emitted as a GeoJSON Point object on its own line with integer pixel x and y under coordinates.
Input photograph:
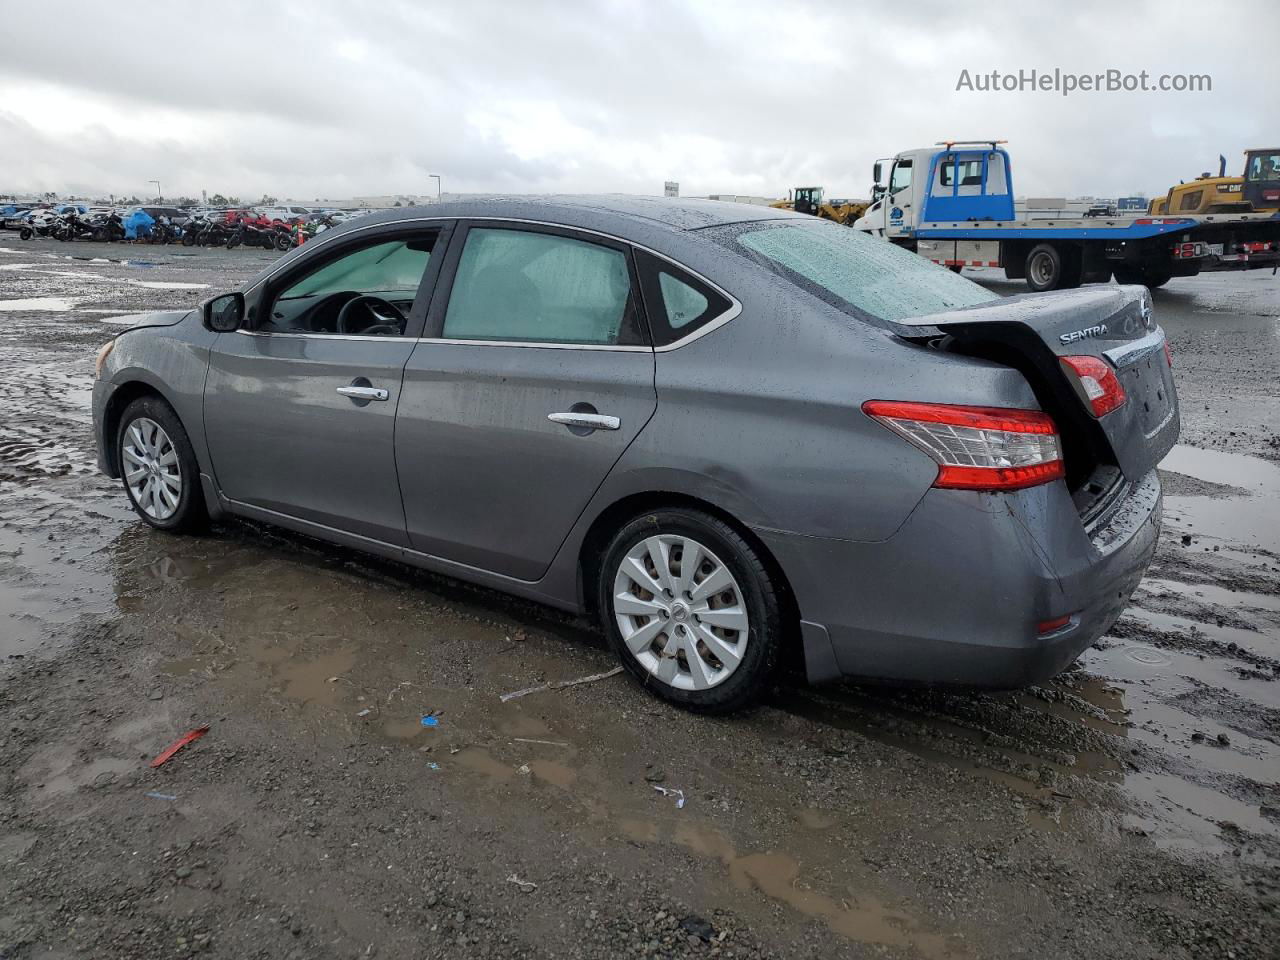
{"type": "Point", "coordinates": [101, 358]}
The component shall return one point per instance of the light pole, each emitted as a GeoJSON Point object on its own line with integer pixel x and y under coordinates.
{"type": "Point", "coordinates": [436, 177]}
{"type": "Point", "coordinates": [157, 183]}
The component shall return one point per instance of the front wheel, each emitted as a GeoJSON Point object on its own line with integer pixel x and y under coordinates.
{"type": "Point", "coordinates": [691, 609]}
{"type": "Point", "coordinates": [283, 242]}
{"type": "Point", "coordinates": [189, 238]}
{"type": "Point", "coordinates": [26, 233]}
{"type": "Point", "coordinates": [158, 467]}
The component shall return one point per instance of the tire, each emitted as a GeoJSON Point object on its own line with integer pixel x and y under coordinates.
{"type": "Point", "coordinates": [955, 268]}
{"type": "Point", "coordinates": [188, 238]}
{"type": "Point", "coordinates": [159, 434]}
{"type": "Point", "coordinates": [1128, 275]}
{"type": "Point", "coordinates": [283, 242]}
{"type": "Point", "coordinates": [1044, 268]}
{"type": "Point", "coordinates": [26, 233]}
{"type": "Point", "coordinates": [750, 596]}
{"type": "Point", "coordinates": [99, 235]}
{"type": "Point", "coordinates": [1156, 278]}
{"type": "Point", "coordinates": [233, 241]}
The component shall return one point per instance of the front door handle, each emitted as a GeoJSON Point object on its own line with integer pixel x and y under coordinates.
{"type": "Point", "coordinates": [364, 393]}
{"type": "Point", "coordinates": [585, 421]}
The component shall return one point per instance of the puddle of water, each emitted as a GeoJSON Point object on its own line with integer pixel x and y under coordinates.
{"type": "Point", "coordinates": [1190, 815]}
{"type": "Point", "coordinates": [556, 774]}
{"type": "Point", "coordinates": [777, 875]}
{"type": "Point", "coordinates": [51, 304]}
{"type": "Point", "coordinates": [1230, 469]}
{"type": "Point", "coordinates": [481, 761]}
{"type": "Point", "coordinates": [1252, 521]}
{"type": "Point", "coordinates": [1254, 641]}
{"type": "Point", "coordinates": [1212, 593]}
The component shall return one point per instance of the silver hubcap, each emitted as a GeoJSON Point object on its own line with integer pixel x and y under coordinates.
{"type": "Point", "coordinates": [151, 469]}
{"type": "Point", "coordinates": [681, 612]}
{"type": "Point", "coordinates": [1042, 268]}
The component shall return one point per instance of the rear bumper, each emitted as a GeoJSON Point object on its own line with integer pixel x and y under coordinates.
{"type": "Point", "coordinates": [956, 594]}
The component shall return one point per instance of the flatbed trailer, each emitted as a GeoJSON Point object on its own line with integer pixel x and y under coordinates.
{"type": "Point", "coordinates": [960, 214]}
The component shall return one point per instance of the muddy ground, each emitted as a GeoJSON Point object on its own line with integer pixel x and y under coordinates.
{"type": "Point", "coordinates": [1128, 809]}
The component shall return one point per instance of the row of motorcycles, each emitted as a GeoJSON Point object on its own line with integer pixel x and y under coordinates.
{"type": "Point", "coordinates": [234, 230]}
{"type": "Point", "coordinates": [72, 226]}
{"type": "Point", "coordinates": [250, 231]}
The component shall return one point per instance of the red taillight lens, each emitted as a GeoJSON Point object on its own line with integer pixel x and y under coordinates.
{"type": "Point", "coordinates": [1168, 354]}
{"type": "Point", "coordinates": [1098, 381]}
{"type": "Point", "coordinates": [1052, 626]}
{"type": "Point", "coordinates": [977, 448]}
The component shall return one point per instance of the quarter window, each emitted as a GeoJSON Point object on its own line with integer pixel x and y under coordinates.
{"type": "Point", "coordinates": [676, 302]}
{"type": "Point", "coordinates": [518, 285]}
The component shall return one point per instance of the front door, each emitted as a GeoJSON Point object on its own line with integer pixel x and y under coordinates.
{"type": "Point", "coordinates": [300, 406]}
{"type": "Point", "coordinates": [535, 375]}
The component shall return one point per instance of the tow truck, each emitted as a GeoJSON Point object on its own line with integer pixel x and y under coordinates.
{"type": "Point", "coordinates": [953, 203]}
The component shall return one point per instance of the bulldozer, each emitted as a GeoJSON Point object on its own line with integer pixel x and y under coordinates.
{"type": "Point", "coordinates": [810, 200]}
{"type": "Point", "coordinates": [1256, 191]}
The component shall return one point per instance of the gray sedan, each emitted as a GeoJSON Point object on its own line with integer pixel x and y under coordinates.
{"type": "Point", "coordinates": [733, 434]}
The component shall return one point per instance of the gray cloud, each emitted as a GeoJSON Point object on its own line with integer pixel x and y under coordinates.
{"type": "Point", "coordinates": [331, 98]}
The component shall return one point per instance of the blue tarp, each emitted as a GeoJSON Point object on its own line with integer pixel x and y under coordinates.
{"type": "Point", "coordinates": [139, 222]}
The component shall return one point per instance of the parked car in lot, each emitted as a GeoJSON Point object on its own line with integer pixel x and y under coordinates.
{"type": "Point", "coordinates": [729, 432]}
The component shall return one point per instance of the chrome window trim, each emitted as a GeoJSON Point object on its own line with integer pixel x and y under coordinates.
{"type": "Point", "coordinates": [735, 307]}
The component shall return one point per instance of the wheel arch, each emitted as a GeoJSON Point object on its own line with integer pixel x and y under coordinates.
{"type": "Point", "coordinates": [620, 511]}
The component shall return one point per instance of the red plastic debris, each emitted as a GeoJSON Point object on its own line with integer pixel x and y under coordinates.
{"type": "Point", "coordinates": [178, 744]}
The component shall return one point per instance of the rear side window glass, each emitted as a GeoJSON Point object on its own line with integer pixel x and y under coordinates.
{"type": "Point", "coordinates": [518, 285]}
{"type": "Point", "coordinates": [677, 302]}
{"type": "Point", "coordinates": [851, 269]}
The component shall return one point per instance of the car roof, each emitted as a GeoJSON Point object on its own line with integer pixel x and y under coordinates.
{"type": "Point", "coordinates": [607, 213]}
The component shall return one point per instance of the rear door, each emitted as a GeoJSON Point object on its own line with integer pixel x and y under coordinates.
{"type": "Point", "coordinates": [300, 406]}
{"type": "Point", "coordinates": [534, 376]}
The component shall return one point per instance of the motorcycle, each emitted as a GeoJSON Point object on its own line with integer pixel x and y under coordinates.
{"type": "Point", "coordinates": [103, 229]}
{"type": "Point", "coordinates": [253, 232]}
{"type": "Point", "coordinates": [202, 231]}
{"type": "Point", "coordinates": [40, 225]}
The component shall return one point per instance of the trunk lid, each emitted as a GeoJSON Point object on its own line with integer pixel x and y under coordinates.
{"type": "Point", "coordinates": [1031, 332]}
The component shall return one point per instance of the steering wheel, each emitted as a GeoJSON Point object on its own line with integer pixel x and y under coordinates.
{"type": "Point", "coordinates": [390, 322]}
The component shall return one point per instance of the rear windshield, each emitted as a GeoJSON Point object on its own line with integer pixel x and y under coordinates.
{"type": "Point", "coordinates": [851, 269]}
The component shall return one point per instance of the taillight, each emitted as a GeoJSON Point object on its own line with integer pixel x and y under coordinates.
{"type": "Point", "coordinates": [1168, 355]}
{"type": "Point", "coordinates": [977, 448]}
{"type": "Point", "coordinates": [1099, 382]}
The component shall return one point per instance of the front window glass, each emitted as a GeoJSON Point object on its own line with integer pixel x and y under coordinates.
{"type": "Point", "coordinates": [850, 269]}
{"type": "Point", "coordinates": [901, 178]}
{"type": "Point", "coordinates": [515, 285]}
{"type": "Point", "coordinates": [389, 272]}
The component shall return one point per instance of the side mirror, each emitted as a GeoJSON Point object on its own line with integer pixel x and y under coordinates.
{"type": "Point", "coordinates": [224, 314]}
{"type": "Point", "coordinates": [875, 173]}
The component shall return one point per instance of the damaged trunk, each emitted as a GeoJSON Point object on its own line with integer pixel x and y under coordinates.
{"type": "Point", "coordinates": [1098, 364]}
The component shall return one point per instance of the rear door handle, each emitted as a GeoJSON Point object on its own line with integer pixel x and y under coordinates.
{"type": "Point", "coordinates": [364, 393]}
{"type": "Point", "coordinates": [586, 421]}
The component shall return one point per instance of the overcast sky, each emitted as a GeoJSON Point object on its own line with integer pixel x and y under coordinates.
{"type": "Point", "coordinates": [336, 98]}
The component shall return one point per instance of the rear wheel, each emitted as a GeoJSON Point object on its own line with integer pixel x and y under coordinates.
{"type": "Point", "coordinates": [1128, 275]}
{"type": "Point", "coordinates": [158, 467]}
{"type": "Point", "coordinates": [283, 241]}
{"type": "Point", "coordinates": [691, 610]}
{"type": "Point", "coordinates": [188, 238]}
{"type": "Point", "coordinates": [1044, 268]}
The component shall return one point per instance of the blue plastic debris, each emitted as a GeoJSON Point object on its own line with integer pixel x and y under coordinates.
{"type": "Point", "coordinates": [433, 766]}
{"type": "Point", "coordinates": [160, 796]}
{"type": "Point", "coordinates": [430, 720]}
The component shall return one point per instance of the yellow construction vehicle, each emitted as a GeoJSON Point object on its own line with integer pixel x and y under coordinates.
{"type": "Point", "coordinates": [810, 200]}
{"type": "Point", "coordinates": [1258, 191]}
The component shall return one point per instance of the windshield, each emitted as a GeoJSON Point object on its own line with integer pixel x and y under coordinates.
{"type": "Point", "coordinates": [848, 268]}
